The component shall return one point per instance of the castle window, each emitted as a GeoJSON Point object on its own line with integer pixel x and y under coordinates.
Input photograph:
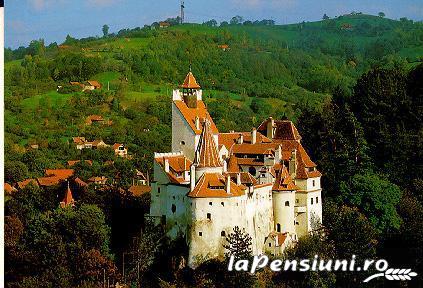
{"type": "Point", "coordinates": [200, 234]}
{"type": "Point", "coordinates": [314, 183]}
{"type": "Point", "coordinates": [278, 227]}
{"type": "Point", "coordinates": [182, 142]}
{"type": "Point", "coordinates": [173, 197]}
{"type": "Point", "coordinates": [158, 190]}
{"type": "Point", "coordinates": [270, 244]}
{"type": "Point", "coordinates": [287, 203]}
{"type": "Point", "coordinates": [311, 201]}
{"type": "Point", "coordinates": [223, 204]}
{"type": "Point", "coordinates": [209, 216]}
{"type": "Point", "coordinates": [317, 200]}
{"type": "Point", "coordinates": [163, 220]}
{"type": "Point", "coordinates": [223, 233]}
{"type": "Point", "coordinates": [297, 201]}
{"type": "Point", "coordinates": [173, 208]}
{"type": "Point", "coordinates": [210, 203]}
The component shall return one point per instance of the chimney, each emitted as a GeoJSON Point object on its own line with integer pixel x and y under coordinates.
{"type": "Point", "coordinates": [278, 154]}
{"type": "Point", "coordinates": [238, 178]}
{"type": "Point", "coordinates": [166, 165]}
{"type": "Point", "coordinates": [270, 125]}
{"type": "Point", "coordinates": [197, 123]}
{"type": "Point", "coordinates": [192, 176]}
{"type": "Point", "coordinates": [241, 139]}
{"type": "Point", "coordinates": [228, 184]}
{"type": "Point", "coordinates": [254, 136]}
{"type": "Point", "coordinates": [293, 164]}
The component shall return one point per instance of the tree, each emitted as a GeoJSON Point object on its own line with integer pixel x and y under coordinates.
{"type": "Point", "coordinates": [15, 171]}
{"type": "Point", "coordinates": [238, 244]}
{"type": "Point", "coordinates": [236, 20]}
{"type": "Point", "coordinates": [376, 197]}
{"type": "Point", "coordinates": [381, 14]}
{"type": "Point", "coordinates": [105, 30]}
{"type": "Point", "coordinates": [325, 17]}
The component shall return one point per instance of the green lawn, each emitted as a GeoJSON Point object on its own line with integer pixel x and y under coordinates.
{"type": "Point", "coordinates": [52, 98]}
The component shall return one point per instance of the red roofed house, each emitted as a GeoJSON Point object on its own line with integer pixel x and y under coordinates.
{"type": "Point", "coordinates": [262, 181]}
{"type": "Point", "coordinates": [120, 150]}
{"type": "Point", "coordinates": [9, 189]}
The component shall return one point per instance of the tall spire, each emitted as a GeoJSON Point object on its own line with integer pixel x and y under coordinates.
{"type": "Point", "coordinates": [68, 199]}
{"type": "Point", "coordinates": [190, 82]}
{"type": "Point", "coordinates": [207, 154]}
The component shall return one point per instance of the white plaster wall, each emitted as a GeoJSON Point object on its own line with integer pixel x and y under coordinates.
{"type": "Point", "coordinates": [181, 131]}
{"type": "Point", "coordinates": [223, 218]}
{"type": "Point", "coordinates": [284, 215]}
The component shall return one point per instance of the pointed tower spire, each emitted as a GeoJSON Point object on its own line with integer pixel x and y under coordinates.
{"type": "Point", "coordinates": [207, 154]}
{"type": "Point", "coordinates": [68, 199]}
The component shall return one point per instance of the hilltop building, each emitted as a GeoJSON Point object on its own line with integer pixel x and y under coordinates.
{"type": "Point", "coordinates": [262, 181]}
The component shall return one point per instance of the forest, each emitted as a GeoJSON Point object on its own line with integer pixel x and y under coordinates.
{"type": "Point", "coordinates": [353, 85]}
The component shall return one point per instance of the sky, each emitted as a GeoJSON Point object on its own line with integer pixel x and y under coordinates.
{"type": "Point", "coordinates": [52, 20]}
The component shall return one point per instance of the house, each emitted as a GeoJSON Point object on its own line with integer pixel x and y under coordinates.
{"type": "Point", "coordinates": [55, 177]}
{"type": "Point", "coordinates": [80, 182]}
{"type": "Point", "coordinates": [120, 150]}
{"type": "Point", "coordinates": [79, 142]}
{"type": "Point", "coordinates": [139, 178]}
{"type": "Point", "coordinates": [98, 180]}
{"type": "Point", "coordinates": [96, 119]}
{"type": "Point", "coordinates": [22, 184]}
{"type": "Point", "coordinates": [94, 84]}
{"type": "Point", "coordinates": [262, 181]}
{"type": "Point", "coordinates": [9, 189]}
{"type": "Point", "coordinates": [224, 47]}
{"type": "Point", "coordinates": [139, 190]}
{"type": "Point", "coordinates": [164, 24]}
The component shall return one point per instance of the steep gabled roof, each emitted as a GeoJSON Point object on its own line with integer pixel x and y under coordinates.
{"type": "Point", "coordinates": [207, 154]}
{"type": "Point", "coordinates": [283, 181]}
{"type": "Point", "coordinates": [67, 199]}
{"type": "Point", "coordinates": [285, 130]}
{"type": "Point", "coordinates": [190, 114]}
{"type": "Point", "coordinates": [190, 82]}
{"type": "Point", "coordinates": [213, 185]}
{"type": "Point", "coordinates": [229, 139]}
{"type": "Point", "coordinates": [177, 165]}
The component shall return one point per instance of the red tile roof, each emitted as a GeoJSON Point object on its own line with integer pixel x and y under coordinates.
{"type": "Point", "coordinates": [22, 184]}
{"type": "Point", "coordinates": [68, 199]}
{"type": "Point", "coordinates": [8, 188]}
{"type": "Point", "coordinates": [139, 190]}
{"type": "Point", "coordinates": [80, 183]}
{"type": "Point", "coordinates": [190, 82]}
{"type": "Point", "coordinates": [207, 154]}
{"type": "Point", "coordinates": [255, 149]}
{"type": "Point", "coordinates": [116, 146]}
{"type": "Point", "coordinates": [60, 173]}
{"type": "Point", "coordinates": [78, 140]}
{"type": "Point", "coordinates": [284, 181]}
{"type": "Point", "coordinates": [279, 237]}
{"type": "Point", "coordinates": [94, 83]}
{"type": "Point", "coordinates": [233, 164]}
{"type": "Point", "coordinates": [177, 166]}
{"type": "Point", "coordinates": [229, 139]}
{"type": "Point", "coordinates": [246, 178]}
{"type": "Point", "coordinates": [191, 113]}
{"type": "Point", "coordinates": [213, 185]}
{"type": "Point", "coordinates": [285, 130]}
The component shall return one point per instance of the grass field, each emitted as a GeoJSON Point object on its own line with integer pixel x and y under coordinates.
{"type": "Point", "coordinates": [52, 98]}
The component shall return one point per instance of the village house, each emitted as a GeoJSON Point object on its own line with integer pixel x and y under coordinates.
{"type": "Point", "coordinates": [82, 143]}
{"type": "Point", "coordinates": [120, 150]}
{"type": "Point", "coordinates": [97, 180]}
{"type": "Point", "coordinates": [164, 24]}
{"type": "Point", "coordinates": [88, 85]}
{"type": "Point", "coordinates": [262, 181]}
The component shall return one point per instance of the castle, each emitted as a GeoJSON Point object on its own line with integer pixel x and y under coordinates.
{"type": "Point", "coordinates": [262, 181]}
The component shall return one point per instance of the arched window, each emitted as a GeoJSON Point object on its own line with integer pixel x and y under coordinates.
{"type": "Point", "coordinates": [182, 142]}
{"type": "Point", "coordinates": [173, 208]}
{"type": "Point", "coordinates": [286, 203]}
{"type": "Point", "coordinates": [252, 171]}
{"type": "Point", "coordinates": [278, 227]}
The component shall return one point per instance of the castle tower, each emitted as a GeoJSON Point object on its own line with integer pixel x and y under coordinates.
{"type": "Point", "coordinates": [207, 158]}
{"type": "Point", "coordinates": [283, 193]}
{"type": "Point", "coordinates": [188, 115]}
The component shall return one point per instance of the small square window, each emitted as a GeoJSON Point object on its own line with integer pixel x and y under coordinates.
{"type": "Point", "coordinates": [210, 203]}
{"type": "Point", "coordinates": [223, 233]}
{"type": "Point", "coordinates": [200, 234]}
{"type": "Point", "coordinates": [317, 200]}
{"type": "Point", "coordinates": [223, 204]}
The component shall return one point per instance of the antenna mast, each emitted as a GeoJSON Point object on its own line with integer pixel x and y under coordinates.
{"type": "Point", "coordinates": [182, 11]}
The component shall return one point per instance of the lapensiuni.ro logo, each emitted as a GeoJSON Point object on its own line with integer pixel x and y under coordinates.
{"type": "Point", "coordinates": [317, 264]}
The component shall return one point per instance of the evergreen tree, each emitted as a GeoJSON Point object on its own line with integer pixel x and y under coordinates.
{"type": "Point", "coordinates": [238, 244]}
